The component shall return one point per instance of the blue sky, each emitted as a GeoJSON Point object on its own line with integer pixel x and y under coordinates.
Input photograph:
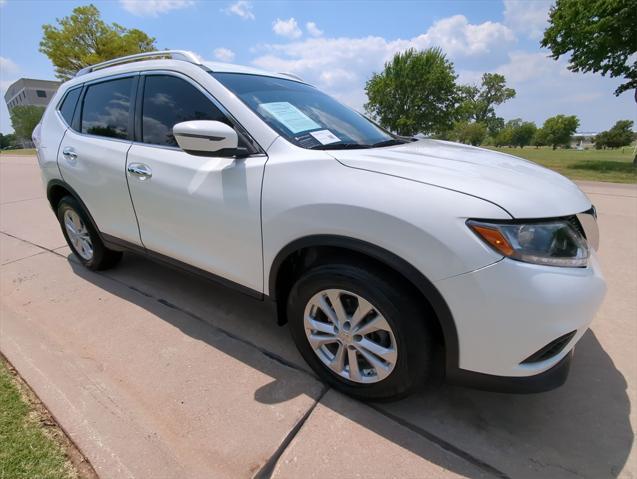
{"type": "Point", "coordinates": [337, 45]}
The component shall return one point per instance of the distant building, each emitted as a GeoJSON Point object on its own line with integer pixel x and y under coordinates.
{"type": "Point", "coordinates": [29, 91]}
{"type": "Point", "coordinates": [583, 140]}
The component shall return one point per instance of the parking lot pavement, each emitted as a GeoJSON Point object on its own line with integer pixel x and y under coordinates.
{"type": "Point", "coordinates": [154, 372]}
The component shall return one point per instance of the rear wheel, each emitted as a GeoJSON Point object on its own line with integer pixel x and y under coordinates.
{"type": "Point", "coordinates": [82, 238]}
{"type": "Point", "coordinates": [360, 331]}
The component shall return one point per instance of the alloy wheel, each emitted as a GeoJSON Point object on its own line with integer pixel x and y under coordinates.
{"type": "Point", "coordinates": [350, 336]}
{"type": "Point", "coordinates": [78, 234]}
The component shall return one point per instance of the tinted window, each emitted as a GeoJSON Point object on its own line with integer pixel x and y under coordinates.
{"type": "Point", "coordinates": [68, 105]}
{"type": "Point", "coordinates": [169, 100]}
{"type": "Point", "coordinates": [106, 108]}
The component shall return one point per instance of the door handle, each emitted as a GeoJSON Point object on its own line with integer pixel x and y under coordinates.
{"type": "Point", "coordinates": [69, 153]}
{"type": "Point", "coordinates": [140, 170]}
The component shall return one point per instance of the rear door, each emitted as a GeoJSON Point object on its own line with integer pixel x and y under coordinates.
{"type": "Point", "coordinates": [201, 210]}
{"type": "Point", "coordinates": [92, 154]}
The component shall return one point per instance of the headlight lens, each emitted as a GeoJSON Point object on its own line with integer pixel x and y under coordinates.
{"type": "Point", "coordinates": [551, 242]}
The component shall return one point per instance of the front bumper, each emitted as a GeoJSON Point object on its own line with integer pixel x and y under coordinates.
{"type": "Point", "coordinates": [545, 381]}
{"type": "Point", "coordinates": [509, 310]}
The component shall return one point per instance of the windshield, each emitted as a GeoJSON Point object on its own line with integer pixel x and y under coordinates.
{"type": "Point", "coordinates": [304, 115]}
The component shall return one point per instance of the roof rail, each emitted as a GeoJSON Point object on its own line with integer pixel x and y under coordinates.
{"type": "Point", "coordinates": [292, 75]}
{"type": "Point", "coordinates": [183, 55]}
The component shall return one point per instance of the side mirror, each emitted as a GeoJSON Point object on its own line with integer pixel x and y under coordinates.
{"type": "Point", "coordinates": [205, 137]}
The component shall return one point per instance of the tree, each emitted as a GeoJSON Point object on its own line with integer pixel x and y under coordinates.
{"type": "Point", "coordinates": [599, 34]}
{"type": "Point", "coordinates": [540, 138]}
{"type": "Point", "coordinates": [415, 93]}
{"type": "Point", "coordinates": [557, 130]}
{"type": "Point", "coordinates": [504, 136]}
{"type": "Point", "coordinates": [471, 133]}
{"type": "Point", "coordinates": [24, 119]}
{"type": "Point", "coordinates": [523, 133]}
{"type": "Point", "coordinates": [478, 103]}
{"type": "Point", "coordinates": [621, 134]}
{"type": "Point", "coordinates": [83, 39]}
{"type": "Point", "coordinates": [601, 140]}
{"type": "Point", "coordinates": [7, 140]}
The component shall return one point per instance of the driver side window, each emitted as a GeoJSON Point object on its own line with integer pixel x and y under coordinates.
{"type": "Point", "coordinates": [169, 100]}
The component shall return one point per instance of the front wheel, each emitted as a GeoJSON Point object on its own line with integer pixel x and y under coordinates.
{"type": "Point", "coordinates": [360, 331]}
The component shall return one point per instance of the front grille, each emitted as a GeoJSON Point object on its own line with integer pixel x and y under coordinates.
{"type": "Point", "coordinates": [551, 349]}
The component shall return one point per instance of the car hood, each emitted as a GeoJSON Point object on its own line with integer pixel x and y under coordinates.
{"type": "Point", "coordinates": [523, 188]}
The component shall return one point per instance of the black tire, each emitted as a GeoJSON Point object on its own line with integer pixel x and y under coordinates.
{"type": "Point", "coordinates": [408, 317]}
{"type": "Point", "coordinates": [103, 258]}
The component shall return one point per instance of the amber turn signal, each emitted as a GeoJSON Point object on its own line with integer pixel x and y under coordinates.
{"type": "Point", "coordinates": [494, 238]}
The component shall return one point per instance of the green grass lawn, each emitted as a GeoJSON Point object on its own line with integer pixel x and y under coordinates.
{"type": "Point", "coordinates": [595, 165]}
{"type": "Point", "coordinates": [26, 450]}
{"type": "Point", "coordinates": [23, 151]}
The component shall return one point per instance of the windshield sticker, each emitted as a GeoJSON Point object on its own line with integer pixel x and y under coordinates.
{"type": "Point", "coordinates": [290, 116]}
{"type": "Point", "coordinates": [325, 136]}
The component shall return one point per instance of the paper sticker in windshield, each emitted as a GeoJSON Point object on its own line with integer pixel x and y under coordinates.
{"type": "Point", "coordinates": [290, 116]}
{"type": "Point", "coordinates": [325, 136]}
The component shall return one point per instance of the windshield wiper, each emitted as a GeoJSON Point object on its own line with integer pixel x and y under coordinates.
{"type": "Point", "coordinates": [341, 146]}
{"type": "Point", "coordinates": [390, 142]}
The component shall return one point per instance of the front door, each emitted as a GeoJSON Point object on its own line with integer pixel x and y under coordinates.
{"type": "Point", "coordinates": [203, 211]}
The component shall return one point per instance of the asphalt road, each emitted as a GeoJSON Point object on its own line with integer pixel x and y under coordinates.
{"type": "Point", "coordinates": [156, 373]}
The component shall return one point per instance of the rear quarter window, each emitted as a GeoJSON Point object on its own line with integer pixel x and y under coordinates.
{"type": "Point", "coordinates": [67, 107]}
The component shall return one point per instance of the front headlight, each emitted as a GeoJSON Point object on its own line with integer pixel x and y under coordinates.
{"type": "Point", "coordinates": [550, 242]}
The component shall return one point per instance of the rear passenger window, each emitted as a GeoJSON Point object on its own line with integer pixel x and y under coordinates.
{"type": "Point", "coordinates": [106, 108]}
{"type": "Point", "coordinates": [169, 100]}
{"type": "Point", "coordinates": [68, 105]}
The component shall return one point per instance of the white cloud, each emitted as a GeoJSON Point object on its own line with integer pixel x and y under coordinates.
{"type": "Point", "coordinates": [456, 36]}
{"type": "Point", "coordinates": [341, 65]}
{"type": "Point", "coordinates": [527, 17]}
{"type": "Point", "coordinates": [153, 8]}
{"type": "Point", "coordinates": [224, 54]}
{"type": "Point", "coordinates": [286, 28]}
{"type": "Point", "coordinates": [242, 9]}
{"type": "Point", "coordinates": [9, 72]}
{"type": "Point", "coordinates": [546, 87]}
{"type": "Point", "coordinates": [526, 66]}
{"type": "Point", "coordinates": [8, 66]}
{"type": "Point", "coordinates": [313, 29]}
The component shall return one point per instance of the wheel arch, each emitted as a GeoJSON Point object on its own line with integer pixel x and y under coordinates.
{"type": "Point", "coordinates": [58, 189]}
{"type": "Point", "coordinates": [282, 275]}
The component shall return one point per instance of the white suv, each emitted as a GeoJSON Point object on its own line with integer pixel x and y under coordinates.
{"type": "Point", "coordinates": [390, 258]}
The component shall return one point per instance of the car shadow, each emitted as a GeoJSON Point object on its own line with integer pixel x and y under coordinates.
{"type": "Point", "coordinates": [581, 429]}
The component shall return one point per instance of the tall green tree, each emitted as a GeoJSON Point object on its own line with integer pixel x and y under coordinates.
{"type": "Point", "coordinates": [415, 93]}
{"type": "Point", "coordinates": [83, 39]}
{"type": "Point", "coordinates": [600, 35]}
{"type": "Point", "coordinates": [24, 119]}
{"type": "Point", "coordinates": [557, 130]}
{"type": "Point", "coordinates": [621, 134]}
{"type": "Point", "coordinates": [477, 103]}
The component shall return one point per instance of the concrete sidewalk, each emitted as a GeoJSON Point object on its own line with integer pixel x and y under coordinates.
{"type": "Point", "coordinates": [157, 373]}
